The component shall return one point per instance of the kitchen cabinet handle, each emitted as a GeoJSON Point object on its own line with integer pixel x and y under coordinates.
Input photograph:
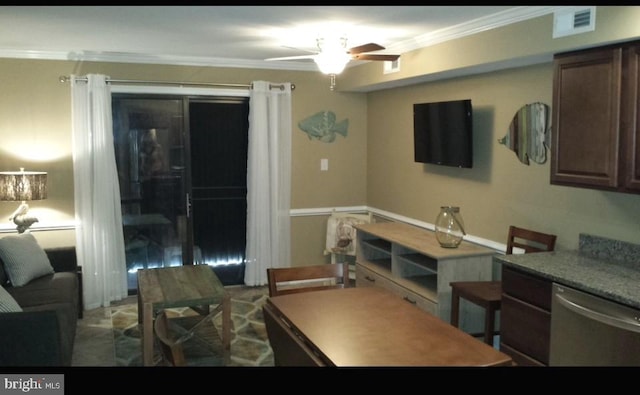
{"type": "Point", "coordinates": [629, 323]}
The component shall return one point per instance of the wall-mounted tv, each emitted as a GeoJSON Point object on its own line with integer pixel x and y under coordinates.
{"type": "Point", "coordinates": [443, 133]}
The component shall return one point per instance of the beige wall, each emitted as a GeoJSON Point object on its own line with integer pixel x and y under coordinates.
{"type": "Point", "coordinates": [499, 190]}
{"type": "Point", "coordinates": [373, 166]}
{"type": "Point", "coordinates": [517, 44]}
{"type": "Point", "coordinates": [35, 130]}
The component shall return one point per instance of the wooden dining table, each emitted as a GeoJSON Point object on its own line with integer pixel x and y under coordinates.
{"type": "Point", "coordinates": [370, 326]}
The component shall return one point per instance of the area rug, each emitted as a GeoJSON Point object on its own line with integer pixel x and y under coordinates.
{"type": "Point", "coordinates": [249, 342]}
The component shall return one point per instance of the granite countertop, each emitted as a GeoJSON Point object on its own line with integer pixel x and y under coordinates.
{"type": "Point", "coordinates": [606, 278]}
{"type": "Point", "coordinates": [603, 267]}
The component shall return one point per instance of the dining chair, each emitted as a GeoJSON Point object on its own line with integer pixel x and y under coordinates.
{"type": "Point", "coordinates": [286, 280]}
{"type": "Point", "coordinates": [488, 294]}
{"type": "Point", "coordinates": [287, 350]}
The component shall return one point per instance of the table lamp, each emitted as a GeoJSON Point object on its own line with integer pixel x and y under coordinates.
{"type": "Point", "coordinates": [23, 186]}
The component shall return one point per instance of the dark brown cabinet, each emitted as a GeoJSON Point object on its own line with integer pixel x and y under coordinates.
{"type": "Point", "coordinates": [595, 119]}
{"type": "Point", "coordinates": [631, 123]}
{"type": "Point", "coordinates": [525, 318]}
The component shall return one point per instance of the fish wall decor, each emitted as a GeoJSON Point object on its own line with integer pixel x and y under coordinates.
{"type": "Point", "coordinates": [322, 126]}
{"type": "Point", "coordinates": [529, 133]}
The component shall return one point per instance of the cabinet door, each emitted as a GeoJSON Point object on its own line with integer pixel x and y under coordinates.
{"type": "Point", "coordinates": [586, 118]}
{"type": "Point", "coordinates": [630, 118]}
{"type": "Point", "coordinates": [525, 317]}
{"type": "Point", "coordinates": [525, 328]}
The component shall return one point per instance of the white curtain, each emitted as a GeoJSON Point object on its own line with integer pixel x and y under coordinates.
{"type": "Point", "coordinates": [99, 236]}
{"type": "Point", "coordinates": [268, 181]}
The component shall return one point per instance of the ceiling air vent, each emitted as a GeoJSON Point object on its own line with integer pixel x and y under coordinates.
{"type": "Point", "coordinates": [391, 66]}
{"type": "Point", "coordinates": [574, 20]}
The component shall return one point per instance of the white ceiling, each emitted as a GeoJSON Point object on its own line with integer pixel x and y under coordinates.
{"type": "Point", "coordinates": [234, 36]}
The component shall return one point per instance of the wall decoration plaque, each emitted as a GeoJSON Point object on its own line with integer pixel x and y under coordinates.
{"type": "Point", "coordinates": [323, 126]}
{"type": "Point", "coordinates": [529, 133]}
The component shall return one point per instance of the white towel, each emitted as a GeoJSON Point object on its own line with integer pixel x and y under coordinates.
{"type": "Point", "coordinates": [341, 234]}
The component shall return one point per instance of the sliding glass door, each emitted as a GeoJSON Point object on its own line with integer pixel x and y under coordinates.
{"type": "Point", "coordinates": [218, 144]}
{"type": "Point", "coordinates": [150, 150]}
{"type": "Point", "coordinates": [182, 170]}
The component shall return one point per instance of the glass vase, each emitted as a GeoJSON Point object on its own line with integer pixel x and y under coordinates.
{"type": "Point", "coordinates": [449, 227]}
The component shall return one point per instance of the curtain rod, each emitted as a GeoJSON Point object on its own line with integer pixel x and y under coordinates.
{"type": "Point", "coordinates": [65, 78]}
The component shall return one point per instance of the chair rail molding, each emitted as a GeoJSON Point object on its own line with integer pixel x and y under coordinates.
{"type": "Point", "coordinates": [37, 227]}
{"type": "Point", "coordinates": [307, 212]}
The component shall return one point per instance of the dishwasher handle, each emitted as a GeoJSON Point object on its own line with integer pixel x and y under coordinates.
{"type": "Point", "coordinates": [630, 324]}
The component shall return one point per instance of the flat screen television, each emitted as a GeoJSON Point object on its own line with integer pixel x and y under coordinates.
{"type": "Point", "coordinates": [443, 133]}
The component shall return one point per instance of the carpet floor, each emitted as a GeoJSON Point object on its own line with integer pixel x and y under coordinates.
{"type": "Point", "coordinates": [249, 341]}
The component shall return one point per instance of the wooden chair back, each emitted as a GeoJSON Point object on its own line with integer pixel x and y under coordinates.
{"type": "Point", "coordinates": [287, 280]}
{"type": "Point", "coordinates": [529, 240]}
{"type": "Point", "coordinates": [488, 294]}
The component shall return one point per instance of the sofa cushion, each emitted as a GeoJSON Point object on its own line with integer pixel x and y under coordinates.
{"type": "Point", "coordinates": [7, 303]}
{"type": "Point", "coordinates": [54, 288]}
{"type": "Point", "coordinates": [24, 259]}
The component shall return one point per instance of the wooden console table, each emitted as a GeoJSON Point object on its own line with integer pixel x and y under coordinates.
{"type": "Point", "coordinates": [410, 262]}
{"type": "Point", "coordinates": [194, 286]}
{"type": "Point", "coordinates": [369, 326]}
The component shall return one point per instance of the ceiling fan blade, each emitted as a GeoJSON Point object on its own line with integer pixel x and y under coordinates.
{"type": "Point", "coordinates": [301, 49]}
{"type": "Point", "coordinates": [293, 57]}
{"type": "Point", "coordinates": [376, 57]}
{"type": "Point", "coordinates": [365, 48]}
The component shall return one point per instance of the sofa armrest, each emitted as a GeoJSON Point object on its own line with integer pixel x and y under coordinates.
{"type": "Point", "coordinates": [30, 338]}
{"type": "Point", "coordinates": [63, 259]}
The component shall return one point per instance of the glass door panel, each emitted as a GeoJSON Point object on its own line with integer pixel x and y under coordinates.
{"type": "Point", "coordinates": [218, 145]}
{"type": "Point", "coordinates": [150, 151]}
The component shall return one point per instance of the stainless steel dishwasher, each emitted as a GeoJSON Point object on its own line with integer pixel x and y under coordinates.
{"type": "Point", "coordinates": [587, 330]}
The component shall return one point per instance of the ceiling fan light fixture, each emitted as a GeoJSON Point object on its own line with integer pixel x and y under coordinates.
{"type": "Point", "coordinates": [332, 63]}
{"type": "Point", "coordinates": [333, 56]}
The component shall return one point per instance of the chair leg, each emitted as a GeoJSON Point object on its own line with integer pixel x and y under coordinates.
{"type": "Point", "coordinates": [489, 322]}
{"type": "Point", "coordinates": [455, 307]}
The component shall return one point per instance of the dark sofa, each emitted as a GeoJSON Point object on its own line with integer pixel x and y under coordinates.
{"type": "Point", "coordinates": [43, 333]}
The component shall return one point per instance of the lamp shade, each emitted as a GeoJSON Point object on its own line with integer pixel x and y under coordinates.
{"type": "Point", "coordinates": [23, 185]}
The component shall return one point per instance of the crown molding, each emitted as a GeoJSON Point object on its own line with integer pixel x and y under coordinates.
{"type": "Point", "coordinates": [475, 26]}
{"type": "Point", "coordinates": [120, 57]}
{"type": "Point", "coordinates": [465, 29]}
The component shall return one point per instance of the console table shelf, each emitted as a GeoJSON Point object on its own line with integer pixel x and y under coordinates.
{"type": "Point", "coordinates": [421, 262]}
{"type": "Point", "coordinates": [410, 262]}
{"type": "Point", "coordinates": [384, 264]}
{"type": "Point", "coordinates": [379, 244]}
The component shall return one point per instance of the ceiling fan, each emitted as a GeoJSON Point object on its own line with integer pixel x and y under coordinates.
{"type": "Point", "coordinates": [333, 55]}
